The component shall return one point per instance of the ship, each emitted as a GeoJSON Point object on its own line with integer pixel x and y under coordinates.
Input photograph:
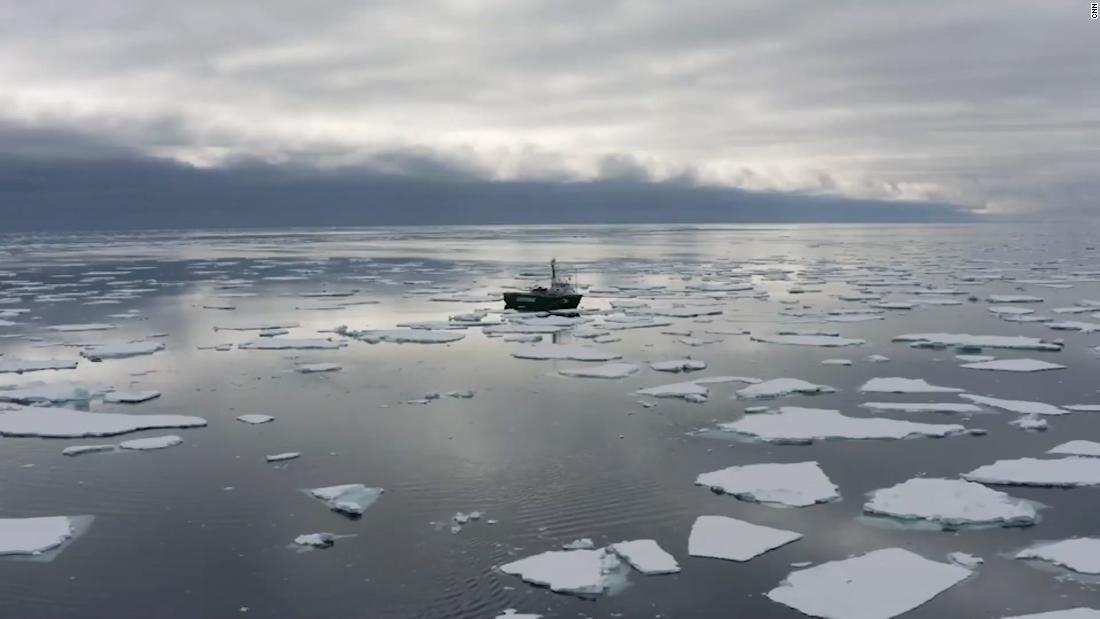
{"type": "Point", "coordinates": [561, 295]}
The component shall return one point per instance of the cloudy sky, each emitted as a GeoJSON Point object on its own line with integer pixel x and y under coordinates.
{"type": "Point", "coordinates": [991, 106]}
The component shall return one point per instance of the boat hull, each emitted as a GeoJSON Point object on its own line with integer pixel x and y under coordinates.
{"type": "Point", "coordinates": [534, 302]}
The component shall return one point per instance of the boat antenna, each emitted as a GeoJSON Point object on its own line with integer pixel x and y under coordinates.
{"type": "Point", "coordinates": [553, 270]}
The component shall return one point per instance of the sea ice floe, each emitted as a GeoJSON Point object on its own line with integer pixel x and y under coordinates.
{"type": "Point", "coordinates": [314, 368]}
{"type": "Point", "coordinates": [844, 362]}
{"type": "Point", "coordinates": [1060, 473]}
{"type": "Point", "coordinates": [1083, 408]}
{"type": "Point", "coordinates": [255, 419]}
{"type": "Point", "coordinates": [921, 407]}
{"type": "Point", "coordinates": [156, 442]}
{"type": "Point", "coordinates": [877, 585]}
{"type": "Point", "coordinates": [1030, 422]}
{"type": "Point", "coordinates": [877, 359]}
{"type": "Point", "coordinates": [1069, 613]}
{"type": "Point", "coordinates": [798, 484]}
{"type": "Point", "coordinates": [1014, 365]}
{"type": "Point", "coordinates": [646, 556]}
{"type": "Point", "coordinates": [121, 350]}
{"type": "Point", "coordinates": [19, 366]}
{"type": "Point", "coordinates": [1013, 298]}
{"type": "Point", "coordinates": [607, 370]}
{"type": "Point", "coordinates": [720, 537]}
{"type": "Point", "coordinates": [798, 425]}
{"type": "Point", "coordinates": [581, 572]}
{"type": "Point", "coordinates": [691, 391]}
{"type": "Point", "coordinates": [315, 540]}
{"type": "Point", "coordinates": [348, 499]}
{"type": "Point", "coordinates": [974, 358]}
{"type": "Point", "coordinates": [75, 328]}
{"type": "Point", "coordinates": [80, 450]}
{"type": "Point", "coordinates": [256, 326]}
{"type": "Point", "coordinates": [563, 352]}
{"type": "Point", "coordinates": [511, 613]}
{"type": "Point", "coordinates": [904, 385]}
{"type": "Point", "coordinates": [778, 387]}
{"type": "Point", "coordinates": [51, 392]}
{"type": "Point", "coordinates": [679, 365]}
{"type": "Point", "coordinates": [950, 503]}
{"type": "Point", "coordinates": [278, 343]}
{"type": "Point", "coordinates": [1010, 310]}
{"type": "Point", "coordinates": [808, 340]}
{"type": "Point", "coordinates": [962, 559]}
{"type": "Point", "coordinates": [1080, 554]}
{"type": "Point", "coordinates": [583, 543]}
{"type": "Point", "coordinates": [402, 336]}
{"type": "Point", "coordinates": [979, 341]}
{"type": "Point", "coordinates": [34, 536]}
{"type": "Point", "coordinates": [1077, 448]}
{"type": "Point", "coordinates": [1023, 407]}
{"type": "Point", "coordinates": [1074, 325]}
{"type": "Point", "coordinates": [50, 422]}
{"type": "Point", "coordinates": [282, 457]}
{"type": "Point", "coordinates": [523, 337]}
{"type": "Point", "coordinates": [131, 397]}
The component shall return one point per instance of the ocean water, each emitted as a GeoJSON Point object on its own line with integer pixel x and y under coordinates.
{"type": "Point", "coordinates": [205, 529]}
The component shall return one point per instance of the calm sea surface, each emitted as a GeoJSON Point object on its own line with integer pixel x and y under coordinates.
{"type": "Point", "coordinates": [205, 529]}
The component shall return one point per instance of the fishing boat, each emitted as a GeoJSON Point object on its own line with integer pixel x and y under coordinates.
{"type": "Point", "coordinates": [561, 295]}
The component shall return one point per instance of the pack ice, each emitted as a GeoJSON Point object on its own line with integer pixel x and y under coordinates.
{"type": "Point", "coordinates": [1023, 407]}
{"type": "Point", "coordinates": [19, 366]}
{"type": "Point", "coordinates": [720, 537]}
{"type": "Point", "coordinates": [797, 425]}
{"type": "Point", "coordinates": [979, 341]}
{"type": "Point", "coordinates": [798, 484]}
{"type": "Point", "coordinates": [1077, 448]}
{"type": "Point", "coordinates": [778, 387]}
{"type": "Point", "coordinates": [278, 343]}
{"type": "Point", "coordinates": [921, 407]}
{"type": "Point", "coordinates": [1061, 472]}
{"type": "Point", "coordinates": [1080, 554]}
{"type": "Point", "coordinates": [51, 392]}
{"type": "Point", "coordinates": [607, 370]}
{"type": "Point", "coordinates": [349, 499]}
{"type": "Point", "coordinates": [564, 352]}
{"type": "Point", "coordinates": [950, 503]}
{"type": "Point", "coordinates": [904, 385]}
{"type": "Point", "coordinates": [646, 556]}
{"type": "Point", "coordinates": [1014, 365]}
{"type": "Point", "coordinates": [581, 572]}
{"type": "Point", "coordinates": [33, 536]}
{"type": "Point", "coordinates": [825, 341]}
{"type": "Point", "coordinates": [878, 585]}
{"type": "Point", "coordinates": [50, 422]}
{"type": "Point", "coordinates": [679, 365]}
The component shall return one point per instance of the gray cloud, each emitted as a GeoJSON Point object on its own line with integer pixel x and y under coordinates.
{"type": "Point", "coordinates": [988, 105]}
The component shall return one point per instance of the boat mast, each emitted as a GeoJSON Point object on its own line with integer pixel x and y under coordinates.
{"type": "Point", "coordinates": [553, 270]}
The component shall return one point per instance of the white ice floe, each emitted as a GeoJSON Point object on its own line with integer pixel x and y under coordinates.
{"type": "Point", "coordinates": [33, 536]}
{"type": "Point", "coordinates": [921, 407]}
{"type": "Point", "coordinates": [1011, 310]}
{"type": "Point", "coordinates": [523, 337]}
{"type": "Point", "coordinates": [282, 457]}
{"type": "Point", "coordinates": [1013, 298]}
{"type": "Point", "coordinates": [877, 359]}
{"type": "Point", "coordinates": [646, 556]}
{"type": "Point", "coordinates": [19, 366]}
{"type": "Point", "coordinates": [156, 442]}
{"type": "Point", "coordinates": [904, 385]}
{"type": "Point", "coordinates": [255, 419]}
{"type": "Point", "coordinates": [979, 341]}
{"type": "Point", "coordinates": [582, 543]}
{"type": "Point", "coordinates": [582, 572]}
{"type": "Point", "coordinates": [75, 328]}
{"type": "Point", "coordinates": [1030, 422]}
{"type": "Point", "coordinates": [349, 499]}
{"type": "Point", "coordinates": [878, 585]}
{"type": "Point", "coordinates": [315, 540]}
{"type": "Point", "coordinates": [798, 484]}
{"type": "Point", "coordinates": [843, 362]}
{"type": "Point", "coordinates": [315, 368]}
{"type": "Point", "coordinates": [1061, 472]}
{"type": "Point", "coordinates": [80, 450]}
{"type": "Point", "coordinates": [974, 358]}
{"type": "Point", "coordinates": [809, 340]}
{"type": "Point", "coordinates": [691, 391]}
{"type": "Point", "coordinates": [798, 425]}
{"type": "Point", "coordinates": [1083, 408]}
{"type": "Point", "coordinates": [121, 350]}
{"type": "Point", "coordinates": [679, 365]}
{"type": "Point", "coordinates": [1069, 613]}
{"type": "Point", "coordinates": [51, 392]}
{"type": "Point", "coordinates": [511, 613]}
{"type": "Point", "coordinates": [1014, 365]}
{"type": "Point", "coordinates": [607, 370]}
{"type": "Point", "coordinates": [1077, 448]}
{"type": "Point", "coordinates": [962, 559]}
{"type": "Point", "coordinates": [720, 537]}
{"type": "Point", "coordinates": [131, 397]}
{"type": "Point", "coordinates": [563, 352]}
{"type": "Point", "coordinates": [856, 317]}
{"type": "Point", "coordinates": [256, 326]}
{"type": "Point", "coordinates": [950, 503]}
{"type": "Point", "coordinates": [1080, 554]}
{"type": "Point", "coordinates": [402, 336]}
{"type": "Point", "coordinates": [49, 422]}
{"type": "Point", "coordinates": [1023, 407]}
{"type": "Point", "coordinates": [778, 387]}
{"type": "Point", "coordinates": [278, 343]}
{"type": "Point", "coordinates": [1074, 325]}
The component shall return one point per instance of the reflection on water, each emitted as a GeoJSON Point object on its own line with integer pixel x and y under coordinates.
{"type": "Point", "coordinates": [202, 530]}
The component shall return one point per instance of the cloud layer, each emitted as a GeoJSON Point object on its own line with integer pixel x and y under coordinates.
{"type": "Point", "coordinates": [993, 106]}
